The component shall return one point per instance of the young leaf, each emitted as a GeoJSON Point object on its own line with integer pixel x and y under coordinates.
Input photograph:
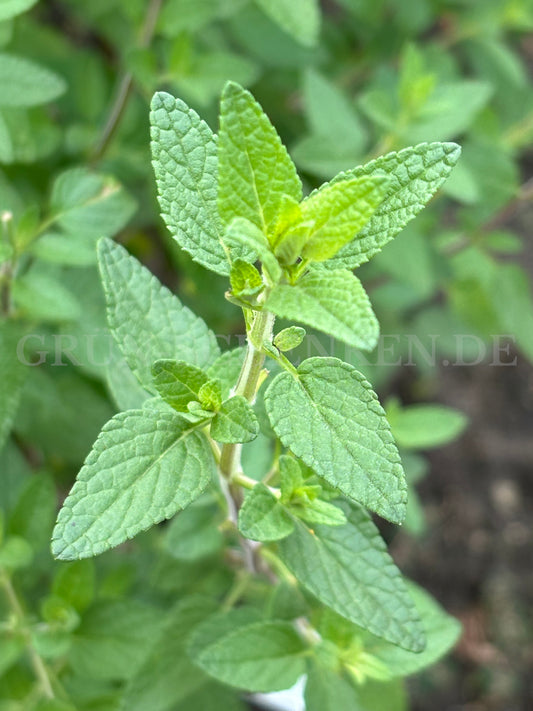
{"type": "Point", "coordinates": [147, 321]}
{"type": "Point", "coordinates": [226, 369]}
{"type": "Point", "coordinates": [241, 234]}
{"type": "Point", "coordinates": [262, 517]}
{"type": "Point", "coordinates": [184, 153]}
{"type": "Point", "coordinates": [178, 382]}
{"type": "Point", "coordinates": [142, 470]}
{"type": "Point", "coordinates": [318, 511]}
{"type": "Point", "coordinates": [210, 395]}
{"type": "Point", "coordinates": [261, 656]}
{"type": "Point", "coordinates": [289, 338]}
{"type": "Point", "coordinates": [245, 280]}
{"type": "Point", "coordinates": [415, 174]}
{"type": "Point", "coordinates": [348, 569]}
{"type": "Point", "coordinates": [235, 422]}
{"type": "Point", "coordinates": [24, 83]}
{"type": "Point", "coordinates": [254, 168]}
{"type": "Point", "coordinates": [329, 416]}
{"type": "Point", "coordinates": [299, 18]}
{"type": "Point", "coordinates": [334, 302]}
{"type": "Point", "coordinates": [339, 211]}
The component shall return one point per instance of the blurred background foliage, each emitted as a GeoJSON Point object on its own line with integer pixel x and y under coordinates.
{"type": "Point", "coordinates": [343, 82]}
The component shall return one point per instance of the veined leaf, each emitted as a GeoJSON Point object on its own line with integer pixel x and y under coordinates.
{"type": "Point", "coordinates": [235, 422]}
{"type": "Point", "coordinates": [178, 382]}
{"type": "Point", "coordinates": [334, 302]}
{"type": "Point", "coordinates": [184, 153]}
{"type": "Point", "coordinates": [254, 168]}
{"type": "Point", "coordinates": [262, 517]}
{"type": "Point", "coordinates": [142, 470]}
{"type": "Point", "coordinates": [147, 321]}
{"type": "Point", "coordinates": [415, 174]}
{"type": "Point", "coordinates": [24, 83]}
{"type": "Point", "coordinates": [243, 235]}
{"type": "Point", "coordinates": [299, 18]}
{"type": "Point", "coordinates": [348, 569]}
{"type": "Point", "coordinates": [329, 416]}
{"type": "Point", "coordinates": [226, 369]}
{"type": "Point", "coordinates": [339, 211]}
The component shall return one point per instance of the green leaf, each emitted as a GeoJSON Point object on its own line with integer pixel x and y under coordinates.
{"type": "Point", "coordinates": [87, 204]}
{"type": "Point", "coordinates": [70, 250]}
{"type": "Point", "coordinates": [226, 369]}
{"type": "Point", "coordinates": [184, 153]}
{"type": "Point", "coordinates": [146, 320]}
{"type": "Point", "coordinates": [299, 18]}
{"type": "Point", "coordinates": [194, 533]}
{"type": "Point", "coordinates": [425, 426]}
{"type": "Point", "coordinates": [339, 211]}
{"type": "Point", "coordinates": [142, 470]}
{"type": "Point", "coordinates": [442, 632]}
{"type": "Point", "coordinates": [11, 8]}
{"type": "Point", "coordinates": [24, 83]}
{"type": "Point", "coordinates": [245, 280]}
{"type": "Point", "coordinates": [235, 422]}
{"type": "Point", "coordinates": [254, 170]}
{"type": "Point", "coordinates": [241, 234]}
{"type": "Point", "coordinates": [13, 375]}
{"type": "Point", "coordinates": [289, 338]}
{"type": "Point", "coordinates": [262, 517]}
{"type": "Point", "coordinates": [348, 569]}
{"type": "Point", "coordinates": [334, 302]}
{"type": "Point", "coordinates": [33, 516]}
{"type": "Point", "coordinates": [41, 296]}
{"type": "Point", "coordinates": [415, 174]}
{"type": "Point", "coordinates": [178, 382]}
{"type": "Point", "coordinates": [210, 395]}
{"type": "Point", "coordinates": [318, 511]}
{"type": "Point", "coordinates": [326, 690]}
{"type": "Point", "coordinates": [75, 584]}
{"type": "Point", "coordinates": [329, 416]}
{"type": "Point", "coordinates": [261, 656]}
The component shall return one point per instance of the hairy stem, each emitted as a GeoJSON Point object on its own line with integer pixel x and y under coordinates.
{"type": "Point", "coordinates": [125, 85]}
{"type": "Point", "coordinates": [39, 667]}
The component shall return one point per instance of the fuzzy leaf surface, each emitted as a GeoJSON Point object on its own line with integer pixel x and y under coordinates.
{"type": "Point", "coordinates": [24, 83]}
{"type": "Point", "coordinates": [142, 469]}
{"type": "Point", "coordinates": [334, 302]}
{"type": "Point", "coordinates": [348, 569]}
{"type": "Point", "coordinates": [235, 422]}
{"type": "Point", "coordinates": [148, 322]}
{"type": "Point", "coordinates": [415, 174]}
{"type": "Point", "coordinates": [254, 168]}
{"type": "Point", "coordinates": [329, 416]}
{"type": "Point", "coordinates": [184, 153]}
{"type": "Point", "coordinates": [262, 517]}
{"type": "Point", "coordinates": [178, 382]}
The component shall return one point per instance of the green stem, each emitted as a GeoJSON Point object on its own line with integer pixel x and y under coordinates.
{"type": "Point", "coordinates": [39, 667]}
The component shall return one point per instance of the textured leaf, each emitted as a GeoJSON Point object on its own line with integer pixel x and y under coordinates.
{"type": "Point", "coordinates": [146, 320]}
{"type": "Point", "coordinates": [178, 382]}
{"type": "Point", "coordinates": [414, 174]}
{"type": "Point", "coordinates": [12, 374]}
{"type": "Point", "coordinates": [348, 569]}
{"type": "Point", "coordinates": [329, 416]}
{"type": "Point", "coordinates": [245, 280]}
{"type": "Point", "coordinates": [262, 656]}
{"type": "Point", "coordinates": [235, 422]}
{"type": "Point", "coordinates": [339, 211]}
{"type": "Point", "coordinates": [289, 338]}
{"type": "Point", "coordinates": [87, 204]}
{"type": "Point", "coordinates": [142, 470]}
{"type": "Point", "coordinates": [184, 153]}
{"type": "Point", "coordinates": [299, 18]}
{"type": "Point", "coordinates": [425, 426]}
{"type": "Point", "coordinates": [24, 83]}
{"type": "Point", "coordinates": [334, 302]}
{"type": "Point", "coordinates": [226, 369]}
{"type": "Point", "coordinates": [10, 8]}
{"type": "Point", "coordinates": [318, 511]}
{"type": "Point", "coordinates": [210, 395]}
{"type": "Point", "coordinates": [241, 234]}
{"type": "Point", "coordinates": [262, 517]}
{"type": "Point", "coordinates": [254, 168]}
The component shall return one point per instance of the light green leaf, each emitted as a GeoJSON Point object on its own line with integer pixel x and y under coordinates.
{"type": "Point", "coordinates": [13, 375]}
{"type": "Point", "coordinates": [299, 18]}
{"type": "Point", "coordinates": [41, 296]}
{"type": "Point", "coordinates": [415, 174]}
{"type": "Point", "coordinates": [348, 569]}
{"type": "Point", "coordinates": [318, 511]}
{"type": "Point", "coordinates": [262, 517]}
{"type": "Point", "coordinates": [226, 369]}
{"type": "Point", "coordinates": [243, 235]}
{"type": "Point", "coordinates": [11, 8]}
{"type": "Point", "coordinates": [326, 690]}
{"type": "Point", "coordinates": [33, 516]}
{"type": "Point", "coordinates": [89, 204]}
{"type": "Point", "coordinates": [334, 302]}
{"type": "Point", "coordinates": [72, 250]}
{"type": "Point", "coordinates": [184, 153]}
{"type": "Point", "coordinates": [235, 422]}
{"type": "Point", "coordinates": [146, 320]}
{"type": "Point", "coordinates": [254, 168]}
{"type": "Point", "coordinates": [289, 338]}
{"type": "Point", "coordinates": [178, 382]}
{"type": "Point", "coordinates": [442, 632]}
{"type": "Point", "coordinates": [210, 395]}
{"type": "Point", "coordinates": [329, 416]}
{"type": "Point", "coordinates": [261, 656]}
{"type": "Point", "coordinates": [425, 426]}
{"type": "Point", "coordinates": [24, 83]}
{"type": "Point", "coordinates": [142, 470]}
{"type": "Point", "coordinates": [194, 533]}
{"type": "Point", "coordinates": [75, 584]}
{"type": "Point", "coordinates": [245, 280]}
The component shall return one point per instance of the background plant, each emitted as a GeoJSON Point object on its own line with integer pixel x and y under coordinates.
{"type": "Point", "coordinates": [377, 84]}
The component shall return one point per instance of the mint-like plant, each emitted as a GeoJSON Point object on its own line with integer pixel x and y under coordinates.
{"type": "Point", "coordinates": [315, 590]}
